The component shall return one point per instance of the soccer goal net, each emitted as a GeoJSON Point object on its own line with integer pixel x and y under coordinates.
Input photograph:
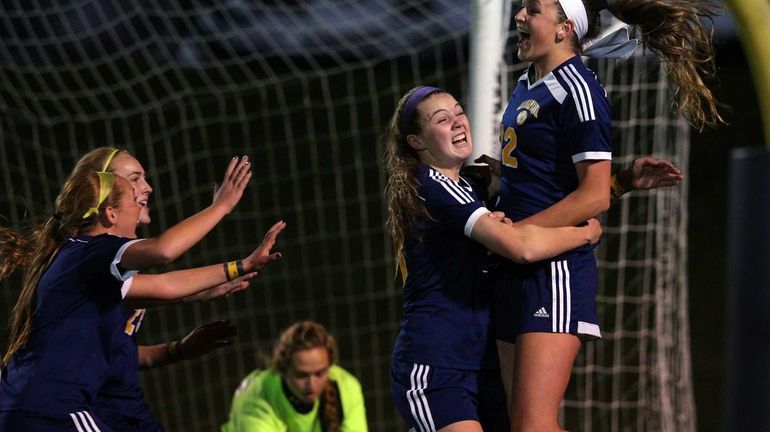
{"type": "Point", "coordinates": [306, 88]}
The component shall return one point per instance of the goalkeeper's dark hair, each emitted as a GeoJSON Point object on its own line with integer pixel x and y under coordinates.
{"type": "Point", "coordinates": [674, 31]}
{"type": "Point", "coordinates": [401, 164]}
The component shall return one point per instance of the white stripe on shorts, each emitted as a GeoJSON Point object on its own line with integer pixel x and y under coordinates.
{"type": "Point", "coordinates": [418, 403]}
{"type": "Point", "coordinates": [561, 297]}
{"type": "Point", "coordinates": [84, 422]}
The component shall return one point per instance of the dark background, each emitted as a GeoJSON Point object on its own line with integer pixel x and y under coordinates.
{"type": "Point", "coordinates": [708, 176]}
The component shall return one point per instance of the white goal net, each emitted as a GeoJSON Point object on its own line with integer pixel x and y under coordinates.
{"type": "Point", "coordinates": [306, 89]}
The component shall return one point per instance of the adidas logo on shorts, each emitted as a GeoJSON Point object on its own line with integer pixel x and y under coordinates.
{"type": "Point", "coordinates": [541, 313]}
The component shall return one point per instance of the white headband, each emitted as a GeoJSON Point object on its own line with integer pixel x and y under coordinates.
{"type": "Point", "coordinates": [576, 12]}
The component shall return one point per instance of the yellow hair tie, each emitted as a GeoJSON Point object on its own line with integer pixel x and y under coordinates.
{"type": "Point", "coordinates": [106, 180]}
{"type": "Point", "coordinates": [109, 159]}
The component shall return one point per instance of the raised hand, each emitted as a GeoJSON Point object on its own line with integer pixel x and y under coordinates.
{"type": "Point", "coordinates": [263, 255]}
{"type": "Point", "coordinates": [237, 176]}
{"type": "Point", "coordinates": [206, 338]}
{"type": "Point", "coordinates": [649, 173]}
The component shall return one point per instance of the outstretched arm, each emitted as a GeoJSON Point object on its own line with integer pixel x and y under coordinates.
{"type": "Point", "coordinates": [201, 340]}
{"type": "Point", "coordinates": [530, 243]}
{"type": "Point", "coordinates": [145, 289]}
{"type": "Point", "coordinates": [222, 290]}
{"type": "Point", "coordinates": [181, 237]}
{"type": "Point", "coordinates": [646, 173]}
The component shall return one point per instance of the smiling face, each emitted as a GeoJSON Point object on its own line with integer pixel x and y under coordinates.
{"type": "Point", "coordinates": [308, 373]}
{"type": "Point", "coordinates": [126, 166]}
{"type": "Point", "coordinates": [127, 211]}
{"type": "Point", "coordinates": [444, 141]}
{"type": "Point", "coordinates": [542, 34]}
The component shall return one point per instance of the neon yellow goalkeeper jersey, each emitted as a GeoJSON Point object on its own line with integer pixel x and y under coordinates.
{"type": "Point", "coordinates": [260, 405]}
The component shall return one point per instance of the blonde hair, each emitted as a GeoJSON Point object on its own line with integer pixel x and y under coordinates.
{"type": "Point", "coordinates": [672, 29]}
{"type": "Point", "coordinates": [78, 194]}
{"type": "Point", "coordinates": [98, 159]}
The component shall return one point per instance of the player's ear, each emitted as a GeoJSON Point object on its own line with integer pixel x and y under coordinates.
{"type": "Point", "coordinates": [108, 215]}
{"type": "Point", "coordinates": [414, 142]}
{"type": "Point", "coordinates": [564, 30]}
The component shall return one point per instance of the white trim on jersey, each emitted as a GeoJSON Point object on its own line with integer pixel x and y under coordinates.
{"type": "Point", "coordinates": [118, 256]}
{"type": "Point", "coordinates": [458, 192]}
{"type": "Point", "coordinates": [591, 155]}
{"type": "Point", "coordinates": [584, 103]}
{"type": "Point", "coordinates": [126, 287]}
{"type": "Point", "coordinates": [418, 403]}
{"type": "Point", "coordinates": [556, 89]}
{"type": "Point", "coordinates": [561, 297]}
{"type": "Point", "coordinates": [84, 422]}
{"type": "Point", "coordinates": [473, 218]}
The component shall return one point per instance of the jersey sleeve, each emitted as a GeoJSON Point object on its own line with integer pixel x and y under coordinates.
{"type": "Point", "coordinates": [586, 123]}
{"type": "Point", "coordinates": [101, 262]}
{"type": "Point", "coordinates": [455, 206]}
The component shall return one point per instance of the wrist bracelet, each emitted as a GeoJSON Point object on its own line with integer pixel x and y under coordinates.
{"type": "Point", "coordinates": [234, 269]}
{"type": "Point", "coordinates": [172, 349]}
{"type": "Point", "coordinates": [231, 270]}
{"type": "Point", "coordinates": [615, 187]}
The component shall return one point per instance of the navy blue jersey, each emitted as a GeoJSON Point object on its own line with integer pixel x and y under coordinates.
{"type": "Point", "coordinates": [548, 126]}
{"type": "Point", "coordinates": [446, 316]}
{"type": "Point", "coordinates": [74, 328]}
{"type": "Point", "coordinates": [120, 401]}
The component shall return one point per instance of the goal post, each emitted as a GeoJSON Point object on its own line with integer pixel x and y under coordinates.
{"type": "Point", "coordinates": [488, 35]}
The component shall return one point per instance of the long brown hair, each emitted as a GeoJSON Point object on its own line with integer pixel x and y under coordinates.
{"type": "Point", "coordinates": [401, 163]}
{"type": "Point", "coordinates": [305, 335]}
{"type": "Point", "coordinates": [672, 29]}
{"type": "Point", "coordinates": [78, 194]}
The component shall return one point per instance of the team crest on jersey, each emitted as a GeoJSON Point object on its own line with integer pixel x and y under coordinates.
{"type": "Point", "coordinates": [529, 106]}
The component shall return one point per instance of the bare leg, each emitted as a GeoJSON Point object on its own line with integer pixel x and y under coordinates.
{"type": "Point", "coordinates": [542, 369]}
{"type": "Point", "coordinates": [506, 352]}
{"type": "Point", "coordinates": [462, 426]}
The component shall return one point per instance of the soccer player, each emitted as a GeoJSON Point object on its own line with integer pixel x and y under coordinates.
{"type": "Point", "coordinates": [67, 320]}
{"type": "Point", "coordinates": [303, 391]}
{"type": "Point", "coordinates": [555, 137]}
{"type": "Point", "coordinates": [444, 368]}
{"type": "Point", "coordinates": [120, 402]}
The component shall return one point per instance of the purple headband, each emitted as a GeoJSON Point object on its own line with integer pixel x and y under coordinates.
{"type": "Point", "coordinates": [411, 104]}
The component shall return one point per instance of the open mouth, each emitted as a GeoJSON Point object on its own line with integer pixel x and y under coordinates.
{"type": "Point", "coordinates": [524, 35]}
{"type": "Point", "coordinates": [459, 139]}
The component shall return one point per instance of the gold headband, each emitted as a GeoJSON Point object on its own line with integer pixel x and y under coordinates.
{"type": "Point", "coordinates": [106, 180]}
{"type": "Point", "coordinates": [109, 159]}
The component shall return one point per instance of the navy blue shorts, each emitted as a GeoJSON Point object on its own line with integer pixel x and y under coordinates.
{"type": "Point", "coordinates": [556, 296]}
{"type": "Point", "coordinates": [81, 421]}
{"type": "Point", "coordinates": [431, 397]}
